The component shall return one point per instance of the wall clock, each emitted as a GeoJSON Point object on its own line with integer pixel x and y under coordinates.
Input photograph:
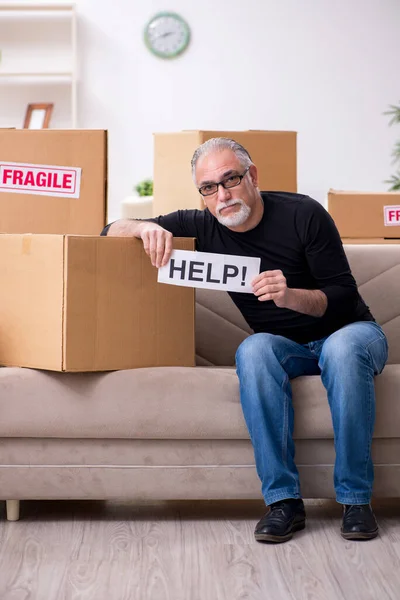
{"type": "Point", "coordinates": [167, 34]}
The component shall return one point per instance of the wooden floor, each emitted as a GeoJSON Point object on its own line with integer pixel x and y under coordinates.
{"type": "Point", "coordinates": [190, 551]}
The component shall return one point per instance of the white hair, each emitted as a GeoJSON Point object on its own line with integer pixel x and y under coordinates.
{"type": "Point", "coordinates": [218, 144]}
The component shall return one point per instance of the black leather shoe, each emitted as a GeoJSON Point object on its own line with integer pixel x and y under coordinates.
{"type": "Point", "coordinates": [359, 522]}
{"type": "Point", "coordinates": [281, 521]}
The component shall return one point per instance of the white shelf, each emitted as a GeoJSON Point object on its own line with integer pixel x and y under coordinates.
{"type": "Point", "coordinates": [35, 78]}
{"type": "Point", "coordinates": [28, 7]}
{"type": "Point", "coordinates": [20, 74]}
{"type": "Point", "coordinates": [37, 50]}
{"type": "Point", "coordinates": [30, 14]}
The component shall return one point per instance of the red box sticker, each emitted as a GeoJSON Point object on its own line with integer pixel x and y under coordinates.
{"type": "Point", "coordinates": [391, 215]}
{"type": "Point", "coordinates": [42, 180]}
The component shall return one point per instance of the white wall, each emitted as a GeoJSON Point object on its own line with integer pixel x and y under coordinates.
{"type": "Point", "coordinates": [325, 68]}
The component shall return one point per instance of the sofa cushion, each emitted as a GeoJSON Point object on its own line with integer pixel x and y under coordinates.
{"type": "Point", "coordinates": [220, 327]}
{"type": "Point", "coordinates": [162, 403]}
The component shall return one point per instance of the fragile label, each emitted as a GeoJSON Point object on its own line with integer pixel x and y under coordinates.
{"type": "Point", "coordinates": [211, 271]}
{"type": "Point", "coordinates": [43, 180]}
{"type": "Point", "coordinates": [392, 215]}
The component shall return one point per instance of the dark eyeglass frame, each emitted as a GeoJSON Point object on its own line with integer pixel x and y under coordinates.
{"type": "Point", "coordinates": [223, 184]}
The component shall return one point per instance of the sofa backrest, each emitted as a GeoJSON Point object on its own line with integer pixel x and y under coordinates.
{"type": "Point", "coordinates": [220, 327]}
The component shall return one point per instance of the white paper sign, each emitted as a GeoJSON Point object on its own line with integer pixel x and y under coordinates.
{"type": "Point", "coordinates": [41, 180]}
{"type": "Point", "coordinates": [211, 271]}
{"type": "Point", "coordinates": [392, 215]}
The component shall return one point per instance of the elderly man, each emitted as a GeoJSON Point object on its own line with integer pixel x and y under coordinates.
{"type": "Point", "coordinates": [308, 318]}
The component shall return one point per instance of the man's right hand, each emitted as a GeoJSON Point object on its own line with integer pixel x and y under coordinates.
{"type": "Point", "coordinates": [157, 241]}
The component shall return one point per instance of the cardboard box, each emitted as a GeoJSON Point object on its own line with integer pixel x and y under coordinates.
{"type": "Point", "coordinates": [80, 303]}
{"type": "Point", "coordinates": [273, 152]}
{"type": "Point", "coordinates": [365, 214]}
{"type": "Point", "coordinates": [370, 241]}
{"type": "Point", "coordinates": [53, 181]}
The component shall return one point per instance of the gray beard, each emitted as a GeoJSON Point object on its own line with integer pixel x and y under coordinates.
{"type": "Point", "coordinates": [237, 218]}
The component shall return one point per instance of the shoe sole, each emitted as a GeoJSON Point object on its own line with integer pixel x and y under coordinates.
{"type": "Point", "coordinates": [277, 539]}
{"type": "Point", "coordinates": [359, 536]}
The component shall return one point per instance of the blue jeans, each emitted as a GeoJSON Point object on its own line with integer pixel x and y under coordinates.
{"type": "Point", "coordinates": [347, 361]}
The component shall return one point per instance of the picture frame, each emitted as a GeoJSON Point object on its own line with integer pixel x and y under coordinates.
{"type": "Point", "coordinates": [38, 116]}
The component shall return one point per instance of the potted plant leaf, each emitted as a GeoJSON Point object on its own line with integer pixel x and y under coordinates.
{"type": "Point", "coordinates": [394, 181]}
{"type": "Point", "coordinates": [145, 187]}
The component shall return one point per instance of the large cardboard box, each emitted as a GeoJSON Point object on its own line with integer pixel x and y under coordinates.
{"type": "Point", "coordinates": [370, 241]}
{"type": "Point", "coordinates": [273, 152]}
{"type": "Point", "coordinates": [80, 303]}
{"type": "Point", "coordinates": [365, 214]}
{"type": "Point", "coordinates": [53, 181]}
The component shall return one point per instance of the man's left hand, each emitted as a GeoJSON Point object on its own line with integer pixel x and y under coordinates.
{"type": "Point", "coordinates": [271, 285]}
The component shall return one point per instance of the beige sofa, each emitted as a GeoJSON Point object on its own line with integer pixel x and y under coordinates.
{"type": "Point", "coordinates": [173, 433]}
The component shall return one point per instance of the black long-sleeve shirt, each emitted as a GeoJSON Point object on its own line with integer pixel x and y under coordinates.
{"type": "Point", "coordinates": [296, 235]}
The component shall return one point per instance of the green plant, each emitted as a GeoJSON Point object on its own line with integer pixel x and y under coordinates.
{"type": "Point", "coordinates": [145, 187]}
{"type": "Point", "coordinates": [394, 181]}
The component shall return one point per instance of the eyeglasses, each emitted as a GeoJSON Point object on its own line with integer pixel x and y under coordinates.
{"type": "Point", "coordinates": [229, 182]}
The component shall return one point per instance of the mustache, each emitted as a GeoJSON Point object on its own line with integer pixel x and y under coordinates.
{"type": "Point", "coordinates": [228, 203]}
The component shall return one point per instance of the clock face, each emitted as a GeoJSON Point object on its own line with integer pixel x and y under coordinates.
{"type": "Point", "coordinates": [167, 35]}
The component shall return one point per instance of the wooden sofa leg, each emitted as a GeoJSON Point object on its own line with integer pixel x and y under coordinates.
{"type": "Point", "coordinates": [12, 510]}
